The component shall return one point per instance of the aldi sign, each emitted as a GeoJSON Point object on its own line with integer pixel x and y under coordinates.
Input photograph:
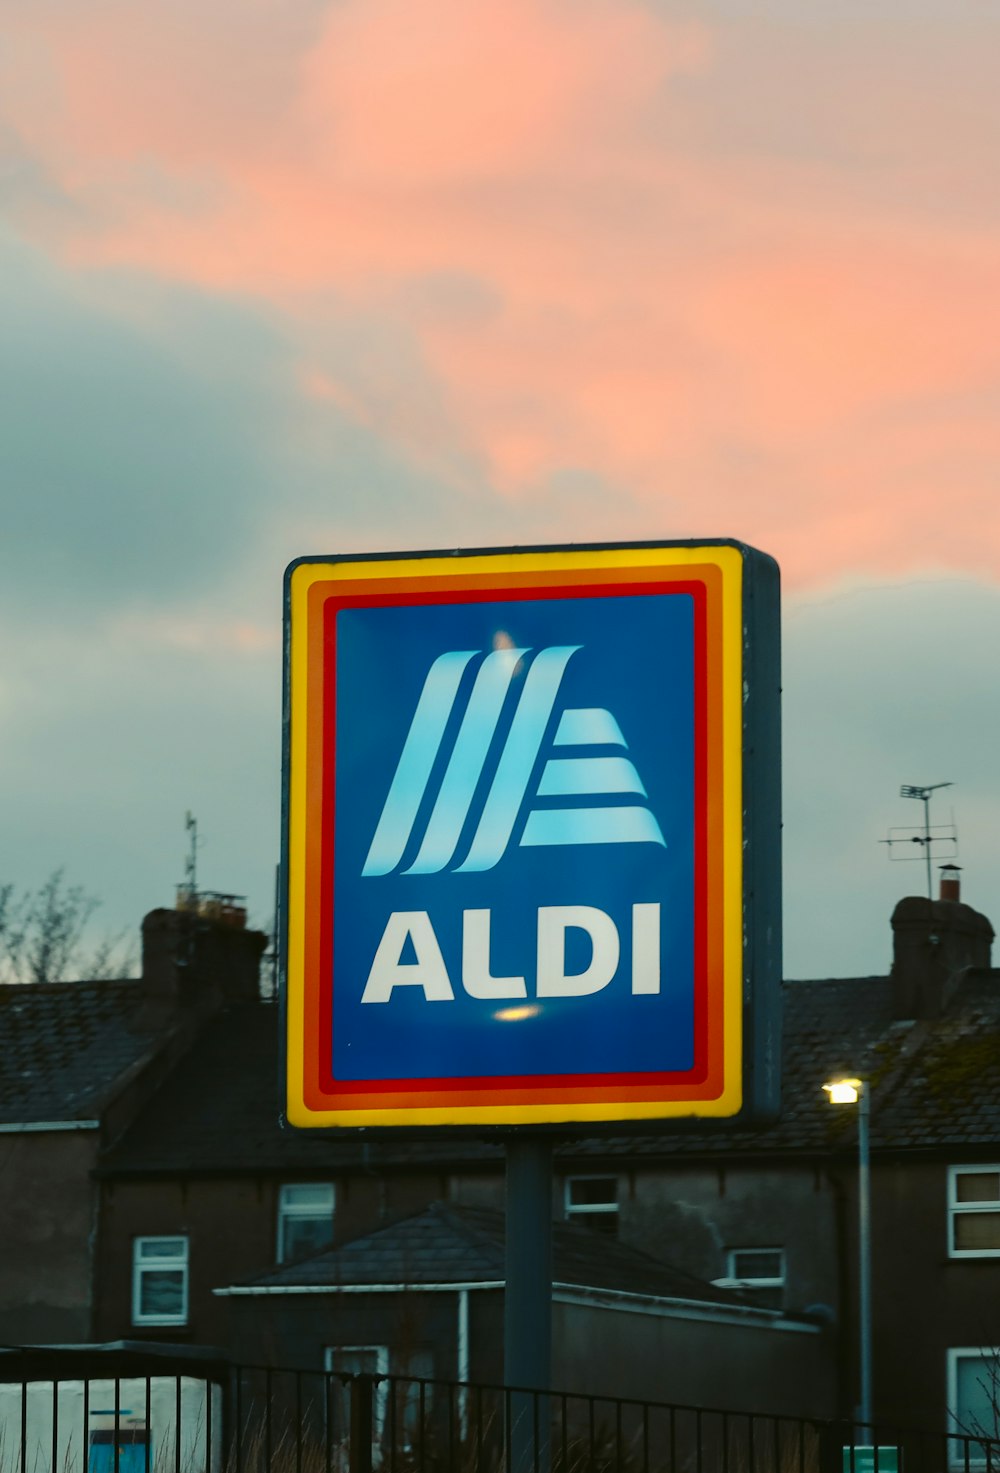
{"type": "Point", "coordinates": [519, 836]}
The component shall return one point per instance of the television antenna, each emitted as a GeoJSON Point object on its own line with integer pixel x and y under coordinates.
{"type": "Point", "coordinates": [187, 893]}
{"type": "Point", "coordinates": [931, 839]}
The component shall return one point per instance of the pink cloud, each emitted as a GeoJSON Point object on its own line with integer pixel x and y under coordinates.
{"type": "Point", "coordinates": [595, 238]}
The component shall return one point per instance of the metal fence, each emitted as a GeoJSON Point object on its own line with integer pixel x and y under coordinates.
{"type": "Point", "coordinates": [263, 1420]}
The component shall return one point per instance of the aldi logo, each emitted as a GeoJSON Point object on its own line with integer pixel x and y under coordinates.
{"type": "Point", "coordinates": [582, 776]}
{"type": "Point", "coordinates": [515, 837]}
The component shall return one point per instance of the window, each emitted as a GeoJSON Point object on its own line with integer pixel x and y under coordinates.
{"type": "Point", "coordinates": [973, 1397]}
{"type": "Point", "coordinates": [160, 1281]}
{"type": "Point", "coordinates": [759, 1271]}
{"type": "Point", "coordinates": [974, 1212]}
{"type": "Point", "coordinates": [592, 1201]}
{"type": "Point", "coordinates": [355, 1360]}
{"type": "Point", "coordinates": [305, 1219]}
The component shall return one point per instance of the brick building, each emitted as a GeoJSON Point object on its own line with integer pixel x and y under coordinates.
{"type": "Point", "coordinates": [175, 1177]}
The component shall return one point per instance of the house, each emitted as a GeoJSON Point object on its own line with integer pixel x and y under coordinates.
{"type": "Point", "coordinates": [423, 1297]}
{"type": "Point", "coordinates": [206, 1171]}
{"type": "Point", "coordinates": [69, 1050]}
{"type": "Point", "coordinates": [146, 1165]}
{"type": "Point", "coordinates": [208, 1166]}
{"type": "Point", "coordinates": [78, 1059]}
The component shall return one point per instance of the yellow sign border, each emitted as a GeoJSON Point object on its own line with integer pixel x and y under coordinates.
{"type": "Point", "coordinates": [303, 575]}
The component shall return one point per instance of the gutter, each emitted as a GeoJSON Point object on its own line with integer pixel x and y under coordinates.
{"type": "Point", "coordinates": [661, 1305]}
{"type": "Point", "coordinates": [685, 1309]}
{"type": "Point", "coordinates": [261, 1289]}
{"type": "Point", "coordinates": [29, 1127]}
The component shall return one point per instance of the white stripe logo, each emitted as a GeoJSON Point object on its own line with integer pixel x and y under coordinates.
{"type": "Point", "coordinates": [580, 776]}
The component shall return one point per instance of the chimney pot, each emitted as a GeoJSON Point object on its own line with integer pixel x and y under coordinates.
{"type": "Point", "coordinates": [951, 885]}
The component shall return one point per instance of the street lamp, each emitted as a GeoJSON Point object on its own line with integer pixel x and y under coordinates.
{"type": "Point", "coordinates": [850, 1092]}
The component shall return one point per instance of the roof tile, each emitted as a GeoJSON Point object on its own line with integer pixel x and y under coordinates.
{"type": "Point", "coordinates": [65, 1044]}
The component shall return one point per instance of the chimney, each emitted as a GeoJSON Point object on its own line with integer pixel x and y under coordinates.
{"type": "Point", "coordinates": [933, 943]}
{"type": "Point", "coordinates": [951, 885]}
{"type": "Point", "coordinates": [201, 954]}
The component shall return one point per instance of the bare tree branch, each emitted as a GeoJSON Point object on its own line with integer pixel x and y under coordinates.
{"type": "Point", "coordinates": [42, 936]}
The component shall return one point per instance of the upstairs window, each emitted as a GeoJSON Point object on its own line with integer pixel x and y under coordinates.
{"type": "Point", "coordinates": [305, 1219]}
{"type": "Point", "coordinates": [757, 1271]}
{"type": "Point", "coordinates": [160, 1281]}
{"type": "Point", "coordinates": [974, 1212]}
{"type": "Point", "coordinates": [592, 1201]}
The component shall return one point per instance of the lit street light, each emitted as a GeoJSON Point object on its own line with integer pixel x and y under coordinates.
{"type": "Point", "coordinates": [849, 1092]}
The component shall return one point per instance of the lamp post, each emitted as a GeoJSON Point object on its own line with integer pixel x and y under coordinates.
{"type": "Point", "coordinates": [850, 1092]}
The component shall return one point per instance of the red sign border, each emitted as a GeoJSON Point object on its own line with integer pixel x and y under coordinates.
{"type": "Point", "coordinates": [321, 1091]}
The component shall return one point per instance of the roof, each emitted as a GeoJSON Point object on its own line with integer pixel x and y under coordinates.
{"type": "Point", "coordinates": [66, 1044]}
{"type": "Point", "coordinates": [949, 1095]}
{"type": "Point", "coordinates": [219, 1111]}
{"type": "Point", "coordinates": [451, 1244]}
{"type": "Point", "coordinates": [832, 1027]}
{"type": "Point", "coordinates": [933, 1084]}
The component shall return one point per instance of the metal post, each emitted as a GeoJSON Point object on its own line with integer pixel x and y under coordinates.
{"type": "Point", "coordinates": [462, 1362]}
{"type": "Point", "coordinates": [865, 1260]}
{"type": "Point", "coordinates": [362, 1424]}
{"type": "Point", "coordinates": [927, 844]}
{"type": "Point", "coordinates": [528, 1299]}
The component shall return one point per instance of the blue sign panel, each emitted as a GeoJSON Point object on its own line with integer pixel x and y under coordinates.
{"type": "Point", "coordinates": [515, 811]}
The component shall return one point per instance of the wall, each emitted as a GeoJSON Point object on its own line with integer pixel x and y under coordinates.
{"type": "Point", "coordinates": [47, 1217]}
{"type": "Point", "coordinates": [231, 1223]}
{"type": "Point", "coordinates": [693, 1362]}
{"type": "Point", "coordinates": [294, 1330]}
{"type": "Point", "coordinates": [688, 1215]}
{"type": "Point", "coordinates": [685, 1215]}
{"type": "Point", "coordinates": [923, 1302]}
{"type": "Point", "coordinates": [602, 1350]}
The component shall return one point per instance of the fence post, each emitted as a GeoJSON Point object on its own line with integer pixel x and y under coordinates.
{"type": "Point", "coordinates": [362, 1418]}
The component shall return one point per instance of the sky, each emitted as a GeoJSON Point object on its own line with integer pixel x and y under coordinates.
{"type": "Point", "coordinates": [287, 277]}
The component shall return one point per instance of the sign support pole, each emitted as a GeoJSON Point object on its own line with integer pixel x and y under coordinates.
{"type": "Point", "coordinates": [528, 1294]}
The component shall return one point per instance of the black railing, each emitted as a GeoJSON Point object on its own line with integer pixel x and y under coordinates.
{"type": "Point", "coordinates": [264, 1420]}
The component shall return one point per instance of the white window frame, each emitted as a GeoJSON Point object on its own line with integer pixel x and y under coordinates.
{"type": "Point", "coordinates": [956, 1209]}
{"type": "Point", "coordinates": [179, 1263]}
{"type": "Point", "coordinates": [287, 1211]}
{"type": "Point", "coordinates": [731, 1280]}
{"type": "Point", "coordinates": [573, 1209]}
{"type": "Point", "coordinates": [956, 1445]}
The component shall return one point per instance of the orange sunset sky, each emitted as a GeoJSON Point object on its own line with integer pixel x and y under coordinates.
{"type": "Point", "coordinates": [300, 276]}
